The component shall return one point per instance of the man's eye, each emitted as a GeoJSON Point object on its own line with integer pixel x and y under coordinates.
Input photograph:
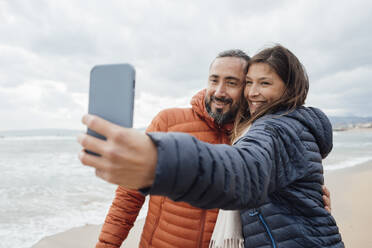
{"type": "Point", "coordinates": [231, 83]}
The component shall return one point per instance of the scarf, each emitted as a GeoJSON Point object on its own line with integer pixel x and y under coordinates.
{"type": "Point", "coordinates": [227, 232]}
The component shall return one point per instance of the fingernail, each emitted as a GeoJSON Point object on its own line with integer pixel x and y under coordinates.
{"type": "Point", "coordinates": [86, 118]}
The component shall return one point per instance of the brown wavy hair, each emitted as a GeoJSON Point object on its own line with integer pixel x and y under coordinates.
{"type": "Point", "coordinates": [294, 76]}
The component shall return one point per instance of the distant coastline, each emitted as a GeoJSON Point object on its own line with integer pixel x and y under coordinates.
{"type": "Point", "coordinates": [350, 123]}
{"type": "Point", "coordinates": [358, 126]}
{"type": "Point", "coordinates": [45, 132]}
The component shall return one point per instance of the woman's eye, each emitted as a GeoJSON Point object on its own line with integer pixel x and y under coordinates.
{"type": "Point", "coordinates": [248, 82]}
{"type": "Point", "coordinates": [265, 83]}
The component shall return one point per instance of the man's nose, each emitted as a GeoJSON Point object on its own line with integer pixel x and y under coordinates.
{"type": "Point", "coordinates": [220, 90]}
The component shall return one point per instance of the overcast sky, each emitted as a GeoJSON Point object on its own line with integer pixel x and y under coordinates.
{"type": "Point", "coordinates": [47, 49]}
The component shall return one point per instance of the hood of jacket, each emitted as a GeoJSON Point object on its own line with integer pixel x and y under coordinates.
{"type": "Point", "coordinates": [198, 105]}
{"type": "Point", "coordinates": [318, 124]}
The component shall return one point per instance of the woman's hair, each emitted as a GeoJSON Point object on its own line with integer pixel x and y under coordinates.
{"type": "Point", "coordinates": [294, 76]}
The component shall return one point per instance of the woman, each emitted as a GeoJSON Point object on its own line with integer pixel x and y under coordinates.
{"type": "Point", "coordinates": [276, 84]}
{"type": "Point", "coordinates": [272, 174]}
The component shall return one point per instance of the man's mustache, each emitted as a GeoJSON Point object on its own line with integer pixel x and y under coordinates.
{"type": "Point", "coordinates": [221, 99]}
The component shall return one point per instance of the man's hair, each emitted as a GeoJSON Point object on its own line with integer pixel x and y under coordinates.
{"type": "Point", "coordinates": [235, 53]}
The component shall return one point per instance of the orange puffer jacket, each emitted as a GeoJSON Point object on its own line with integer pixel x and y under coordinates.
{"type": "Point", "coordinates": [168, 224]}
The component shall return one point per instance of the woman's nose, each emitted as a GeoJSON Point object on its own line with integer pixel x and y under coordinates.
{"type": "Point", "coordinates": [253, 90]}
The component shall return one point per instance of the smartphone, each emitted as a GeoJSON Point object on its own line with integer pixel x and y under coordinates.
{"type": "Point", "coordinates": [111, 95]}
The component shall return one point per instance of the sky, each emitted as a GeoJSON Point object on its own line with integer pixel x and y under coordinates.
{"type": "Point", "coordinates": [47, 49]}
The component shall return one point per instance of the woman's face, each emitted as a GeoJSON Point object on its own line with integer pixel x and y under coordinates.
{"type": "Point", "coordinates": [263, 86]}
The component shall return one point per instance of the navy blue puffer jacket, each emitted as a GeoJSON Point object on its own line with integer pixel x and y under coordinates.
{"type": "Point", "coordinates": [273, 174]}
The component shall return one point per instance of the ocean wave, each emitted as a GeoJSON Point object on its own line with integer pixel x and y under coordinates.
{"type": "Point", "coordinates": [39, 227]}
{"type": "Point", "coordinates": [347, 164]}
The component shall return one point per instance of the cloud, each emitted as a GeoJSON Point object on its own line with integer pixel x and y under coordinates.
{"type": "Point", "coordinates": [344, 93]}
{"type": "Point", "coordinates": [171, 44]}
{"type": "Point", "coordinates": [40, 104]}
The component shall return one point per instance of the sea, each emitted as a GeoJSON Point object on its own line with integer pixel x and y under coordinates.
{"type": "Point", "coordinates": [45, 190]}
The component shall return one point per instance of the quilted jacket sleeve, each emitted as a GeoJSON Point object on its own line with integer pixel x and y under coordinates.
{"type": "Point", "coordinates": [228, 177]}
{"type": "Point", "coordinates": [125, 207]}
{"type": "Point", "coordinates": [120, 218]}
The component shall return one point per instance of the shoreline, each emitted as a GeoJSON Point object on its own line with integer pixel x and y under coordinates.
{"type": "Point", "coordinates": [350, 189]}
{"type": "Point", "coordinates": [87, 236]}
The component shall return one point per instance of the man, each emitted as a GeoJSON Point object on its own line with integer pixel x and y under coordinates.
{"type": "Point", "coordinates": [177, 224]}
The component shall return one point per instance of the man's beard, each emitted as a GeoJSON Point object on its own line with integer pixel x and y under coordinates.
{"type": "Point", "coordinates": [219, 117]}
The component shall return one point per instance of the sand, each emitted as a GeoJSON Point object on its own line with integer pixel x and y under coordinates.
{"type": "Point", "coordinates": [351, 206]}
{"type": "Point", "coordinates": [87, 237]}
{"type": "Point", "coordinates": [351, 203]}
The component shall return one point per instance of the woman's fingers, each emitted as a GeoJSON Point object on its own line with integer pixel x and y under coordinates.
{"type": "Point", "coordinates": [91, 143]}
{"type": "Point", "coordinates": [100, 125]}
{"type": "Point", "coordinates": [99, 163]}
{"type": "Point", "coordinates": [128, 158]}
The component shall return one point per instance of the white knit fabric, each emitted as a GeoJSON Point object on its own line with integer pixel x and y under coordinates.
{"type": "Point", "coordinates": [228, 230]}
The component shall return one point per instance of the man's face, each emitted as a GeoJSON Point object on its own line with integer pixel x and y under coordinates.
{"type": "Point", "coordinates": [225, 84]}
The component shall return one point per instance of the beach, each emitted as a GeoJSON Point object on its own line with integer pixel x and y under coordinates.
{"type": "Point", "coordinates": [351, 203]}
{"type": "Point", "coordinates": [87, 236]}
{"type": "Point", "coordinates": [351, 206]}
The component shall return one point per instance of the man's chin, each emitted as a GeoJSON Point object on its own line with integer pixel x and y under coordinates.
{"type": "Point", "coordinates": [223, 115]}
{"type": "Point", "coordinates": [220, 111]}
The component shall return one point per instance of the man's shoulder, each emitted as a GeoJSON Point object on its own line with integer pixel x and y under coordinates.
{"type": "Point", "coordinates": [174, 116]}
{"type": "Point", "coordinates": [170, 117]}
{"type": "Point", "coordinates": [178, 120]}
{"type": "Point", "coordinates": [174, 111]}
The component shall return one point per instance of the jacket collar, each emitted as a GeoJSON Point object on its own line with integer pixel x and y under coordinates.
{"type": "Point", "coordinates": [198, 105]}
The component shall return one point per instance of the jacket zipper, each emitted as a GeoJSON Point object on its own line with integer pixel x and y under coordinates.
{"type": "Point", "coordinates": [202, 228]}
{"type": "Point", "coordinates": [255, 212]}
{"type": "Point", "coordinates": [157, 221]}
